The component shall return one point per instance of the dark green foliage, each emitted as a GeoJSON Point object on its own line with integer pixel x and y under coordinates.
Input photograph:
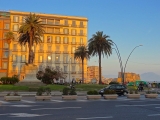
{"type": "Point", "coordinates": [9, 80]}
{"type": "Point", "coordinates": [69, 91]}
{"type": "Point", "coordinates": [66, 91]}
{"type": "Point", "coordinates": [131, 92]}
{"type": "Point", "coordinates": [113, 82]}
{"type": "Point", "coordinates": [92, 92]}
{"type": "Point", "coordinates": [43, 91]}
{"type": "Point", "coordinates": [48, 75]}
{"type": "Point", "coordinates": [110, 92]}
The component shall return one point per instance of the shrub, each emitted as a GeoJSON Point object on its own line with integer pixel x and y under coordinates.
{"type": "Point", "coordinates": [131, 92]}
{"type": "Point", "coordinates": [110, 92]}
{"type": "Point", "coordinates": [72, 92]}
{"type": "Point", "coordinates": [43, 90]}
{"type": "Point", "coordinates": [66, 91]}
{"type": "Point", "coordinates": [92, 92]}
{"type": "Point", "coordinates": [136, 91]}
{"type": "Point", "coordinates": [9, 80]}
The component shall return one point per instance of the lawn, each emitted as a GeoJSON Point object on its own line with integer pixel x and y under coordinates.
{"type": "Point", "coordinates": [79, 87]}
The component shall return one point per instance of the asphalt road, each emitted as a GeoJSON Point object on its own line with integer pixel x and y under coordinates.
{"type": "Point", "coordinates": [80, 109]}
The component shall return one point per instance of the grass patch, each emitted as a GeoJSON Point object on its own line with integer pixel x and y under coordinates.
{"type": "Point", "coordinates": [79, 87]}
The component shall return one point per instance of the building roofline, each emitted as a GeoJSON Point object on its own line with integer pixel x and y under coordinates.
{"type": "Point", "coordinates": [49, 15]}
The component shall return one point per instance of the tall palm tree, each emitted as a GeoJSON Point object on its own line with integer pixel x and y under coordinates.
{"type": "Point", "coordinates": [100, 44]}
{"type": "Point", "coordinates": [81, 53]}
{"type": "Point", "coordinates": [31, 32]}
{"type": "Point", "coordinates": [9, 36]}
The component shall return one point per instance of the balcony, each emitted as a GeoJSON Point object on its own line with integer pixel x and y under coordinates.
{"type": "Point", "coordinates": [79, 72]}
{"type": "Point", "coordinates": [73, 62]}
{"type": "Point", "coordinates": [65, 62]}
{"type": "Point", "coordinates": [57, 62]}
{"type": "Point", "coordinates": [15, 50]}
{"type": "Point", "coordinates": [65, 52]}
{"type": "Point", "coordinates": [57, 52]}
{"type": "Point", "coordinates": [73, 72]}
{"type": "Point", "coordinates": [14, 72]}
{"type": "Point", "coordinates": [49, 51]}
{"type": "Point", "coordinates": [65, 72]}
{"type": "Point", "coordinates": [81, 34]}
{"type": "Point", "coordinates": [41, 51]}
{"type": "Point", "coordinates": [73, 43]}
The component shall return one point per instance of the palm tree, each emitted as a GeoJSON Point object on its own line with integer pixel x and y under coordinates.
{"type": "Point", "coordinates": [81, 53]}
{"type": "Point", "coordinates": [31, 32]}
{"type": "Point", "coordinates": [100, 44]}
{"type": "Point", "coordinates": [9, 36]}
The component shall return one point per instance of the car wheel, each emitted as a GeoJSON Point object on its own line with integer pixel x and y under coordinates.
{"type": "Point", "coordinates": [125, 93]}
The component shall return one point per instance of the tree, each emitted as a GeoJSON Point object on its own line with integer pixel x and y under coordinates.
{"type": "Point", "coordinates": [100, 44]}
{"type": "Point", "coordinates": [49, 74]}
{"type": "Point", "coordinates": [31, 32]}
{"type": "Point", "coordinates": [81, 53]}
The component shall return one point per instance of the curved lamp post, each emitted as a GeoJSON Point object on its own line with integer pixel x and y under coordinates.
{"type": "Point", "coordinates": [127, 61]}
{"type": "Point", "coordinates": [120, 60]}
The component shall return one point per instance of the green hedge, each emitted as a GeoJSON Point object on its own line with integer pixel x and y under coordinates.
{"type": "Point", "coordinates": [9, 80]}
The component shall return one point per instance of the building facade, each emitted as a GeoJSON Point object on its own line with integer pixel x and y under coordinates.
{"type": "Point", "coordinates": [92, 73]}
{"type": "Point", "coordinates": [4, 45]}
{"type": "Point", "coordinates": [129, 77]}
{"type": "Point", "coordinates": [63, 34]}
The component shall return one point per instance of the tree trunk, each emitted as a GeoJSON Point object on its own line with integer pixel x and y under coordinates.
{"type": "Point", "coordinates": [100, 80]}
{"type": "Point", "coordinates": [30, 48]}
{"type": "Point", "coordinates": [82, 71]}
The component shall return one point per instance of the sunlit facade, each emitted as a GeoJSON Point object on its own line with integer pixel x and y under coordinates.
{"type": "Point", "coordinates": [63, 34]}
{"type": "Point", "coordinates": [4, 46]}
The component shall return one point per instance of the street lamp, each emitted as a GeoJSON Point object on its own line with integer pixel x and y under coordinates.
{"type": "Point", "coordinates": [120, 60]}
{"type": "Point", "coordinates": [128, 59]}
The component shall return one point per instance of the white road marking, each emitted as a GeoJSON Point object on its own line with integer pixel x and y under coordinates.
{"type": "Point", "coordinates": [57, 101]}
{"type": "Point", "coordinates": [4, 102]}
{"type": "Point", "coordinates": [135, 101]}
{"type": "Point", "coordinates": [136, 105]}
{"type": "Point", "coordinates": [157, 107]}
{"type": "Point", "coordinates": [27, 101]}
{"type": "Point", "coordinates": [94, 118]}
{"type": "Point", "coordinates": [82, 100]}
{"type": "Point", "coordinates": [56, 108]}
{"type": "Point", "coordinates": [26, 115]}
{"type": "Point", "coordinates": [154, 115]}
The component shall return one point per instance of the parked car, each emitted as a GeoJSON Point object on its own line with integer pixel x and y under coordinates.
{"type": "Point", "coordinates": [119, 89]}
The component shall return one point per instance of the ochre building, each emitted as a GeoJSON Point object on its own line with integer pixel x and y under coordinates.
{"type": "Point", "coordinates": [63, 34]}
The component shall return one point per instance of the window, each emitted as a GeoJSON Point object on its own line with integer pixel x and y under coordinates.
{"type": "Point", "coordinates": [23, 48]}
{"type": "Point", "coordinates": [65, 68]}
{"type": "Point", "coordinates": [81, 41]}
{"type": "Point", "coordinates": [23, 58]}
{"type": "Point", "coordinates": [81, 23]}
{"type": "Point", "coordinates": [73, 49]}
{"type": "Point", "coordinates": [50, 22]}
{"type": "Point", "coordinates": [57, 67]}
{"type": "Point", "coordinates": [65, 22]}
{"type": "Point", "coordinates": [50, 30]}
{"type": "Point", "coordinates": [65, 40]}
{"type": "Point", "coordinates": [73, 40]}
{"type": "Point", "coordinates": [14, 47]}
{"type": "Point", "coordinates": [5, 45]}
{"type": "Point", "coordinates": [57, 22]}
{"type": "Point", "coordinates": [5, 54]}
{"type": "Point", "coordinates": [15, 36]}
{"type": "Point", "coordinates": [57, 30]}
{"type": "Point", "coordinates": [66, 31]}
{"type": "Point", "coordinates": [22, 68]}
{"type": "Point", "coordinates": [73, 68]}
{"type": "Point", "coordinates": [49, 58]}
{"type": "Point", "coordinates": [41, 48]}
{"type": "Point", "coordinates": [4, 65]}
{"type": "Point", "coordinates": [57, 58]}
{"type": "Point", "coordinates": [23, 19]}
{"type": "Point", "coordinates": [6, 26]}
{"type": "Point", "coordinates": [41, 37]}
{"type": "Point", "coordinates": [73, 32]}
{"type": "Point", "coordinates": [65, 59]}
{"type": "Point", "coordinates": [14, 67]}
{"type": "Point", "coordinates": [65, 49]}
{"type": "Point", "coordinates": [4, 35]}
{"type": "Point", "coordinates": [14, 57]}
{"type": "Point", "coordinates": [15, 27]}
{"type": "Point", "coordinates": [73, 23]}
{"type": "Point", "coordinates": [49, 48]}
{"type": "Point", "coordinates": [49, 39]}
{"type": "Point", "coordinates": [81, 32]}
{"type": "Point", "coordinates": [57, 48]}
{"type": "Point", "coordinates": [43, 21]}
{"type": "Point", "coordinates": [58, 39]}
{"type": "Point", "coordinates": [40, 58]}
{"type": "Point", "coordinates": [33, 48]}
{"type": "Point", "coordinates": [15, 19]}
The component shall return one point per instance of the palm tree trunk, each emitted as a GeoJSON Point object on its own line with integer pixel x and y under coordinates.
{"type": "Point", "coordinates": [100, 81]}
{"type": "Point", "coordinates": [82, 71]}
{"type": "Point", "coordinates": [30, 48]}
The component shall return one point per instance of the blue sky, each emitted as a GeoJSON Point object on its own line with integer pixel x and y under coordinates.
{"type": "Point", "coordinates": [128, 23]}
